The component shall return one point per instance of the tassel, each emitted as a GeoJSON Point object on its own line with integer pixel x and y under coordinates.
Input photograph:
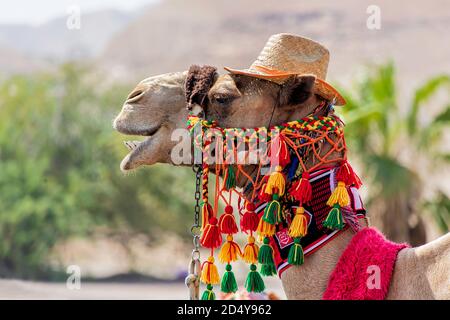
{"type": "Point", "coordinates": [279, 151]}
{"type": "Point", "coordinates": [208, 294]}
{"type": "Point", "coordinates": [276, 180]}
{"type": "Point", "coordinates": [210, 275]}
{"type": "Point", "coordinates": [346, 174]}
{"type": "Point", "coordinates": [265, 229]}
{"type": "Point", "coordinates": [211, 237]}
{"type": "Point", "coordinates": [265, 258]}
{"type": "Point", "coordinates": [250, 220]}
{"type": "Point", "coordinates": [339, 196]}
{"type": "Point", "coordinates": [301, 190]}
{"type": "Point", "coordinates": [299, 225]}
{"type": "Point", "coordinates": [254, 281]}
{"type": "Point", "coordinates": [227, 222]}
{"type": "Point", "coordinates": [230, 179]}
{"type": "Point", "coordinates": [272, 212]}
{"type": "Point", "coordinates": [334, 219]}
{"type": "Point", "coordinates": [251, 250]}
{"type": "Point", "coordinates": [262, 196]}
{"type": "Point", "coordinates": [230, 251]}
{"type": "Point", "coordinates": [228, 283]}
{"type": "Point", "coordinates": [296, 256]}
{"type": "Point", "coordinates": [207, 213]}
{"type": "Point", "coordinates": [268, 270]}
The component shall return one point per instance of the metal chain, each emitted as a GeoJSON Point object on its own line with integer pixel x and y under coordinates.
{"type": "Point", "coordinates": [195, 229]}
{"type": "Point", "coordinates": [193, 279]}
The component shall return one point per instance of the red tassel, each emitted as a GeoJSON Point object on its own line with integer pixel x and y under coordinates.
{"type": "Point", "coordinates": [279, 151]}
{"type": "Point", "coordinates": [207, 213]}
{"type": "Point", "coordinates": [262, 196]}
{"type": "Point", "coordinates": [227, 222]}
{"type": "Point", "coordinates": [211, 237]}
{"type": "Point", "coordinates": [301, 190]}
{"type": "Point", "coordinates": [250, 220]}
{"type": "Point", "coordinates": [346, 174]}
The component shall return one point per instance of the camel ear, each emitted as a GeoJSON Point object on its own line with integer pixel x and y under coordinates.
{"type": "Point", "coordinates": [297, 90]}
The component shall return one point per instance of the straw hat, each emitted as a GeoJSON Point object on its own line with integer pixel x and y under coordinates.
{"type": "Point", "coordinates": [286, 55]}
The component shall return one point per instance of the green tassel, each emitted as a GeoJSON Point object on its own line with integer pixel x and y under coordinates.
{"type": "Point", "coordinates": [334, 219]}
{"type": "Point", "coordinates": [272, 212]}
{"type": "Point", "coordinates": [208, 294]}
{"type": "Point", "coordinates": [268, 270]}
{"type": "Point", "coordinates": [296, 256]}
{"type": "Point", "coordinates": [228, 283]}
{"type": "Point", "coordinates": [254, 281]}
{"type": "Point", "coordinates": [230, 181]}
{"type": "Point", "coordinates": [265, 258]}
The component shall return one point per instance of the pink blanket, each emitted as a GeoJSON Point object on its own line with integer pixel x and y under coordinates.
{"type": "Point", "coordinates": [365, 268]}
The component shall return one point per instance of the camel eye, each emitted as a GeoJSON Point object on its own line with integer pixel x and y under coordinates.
{"type": "Point", "coordinates": [223, 100]}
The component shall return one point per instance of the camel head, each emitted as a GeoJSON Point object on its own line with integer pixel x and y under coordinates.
{"type": "Point", "coordinates": [156, 107]}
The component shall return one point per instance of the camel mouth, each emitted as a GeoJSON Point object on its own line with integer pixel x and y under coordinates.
{"type": "Point", "coordinates": [135, 157]}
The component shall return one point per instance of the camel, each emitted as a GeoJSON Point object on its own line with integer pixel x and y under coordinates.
{"type": "Point", "coordinates": [157, 107]}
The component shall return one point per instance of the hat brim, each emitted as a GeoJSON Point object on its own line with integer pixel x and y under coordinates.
{"type": "Point", "coordinates": [321, 87]}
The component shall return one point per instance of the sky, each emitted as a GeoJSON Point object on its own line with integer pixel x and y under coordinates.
{"type": "Point", "coordinates": [35, 12]}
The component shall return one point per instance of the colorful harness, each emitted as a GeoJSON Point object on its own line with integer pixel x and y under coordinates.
{"type": "Point", "coordinates": [293, 210]}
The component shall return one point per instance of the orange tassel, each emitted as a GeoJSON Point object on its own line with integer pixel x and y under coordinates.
{"type": "Point", "coordinates": [251, 250]}
{"type": "Point", "coordinates": [276, 181]}
{"type": "Point", "coordinates": [210, 275]}
{"type": "Point", "coordinates": [339, 196]}
{"type": "Point", "coordinates": [230, 251]}
{"type": "Point", "coordinates": [265, 229]}
{"type": "Point", "coordinates": [299, 224]}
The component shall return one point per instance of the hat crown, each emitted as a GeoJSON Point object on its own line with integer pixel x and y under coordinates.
{"type": "Point", "coordinates": [294, 54]}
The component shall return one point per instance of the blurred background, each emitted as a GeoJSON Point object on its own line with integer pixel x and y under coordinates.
{"type": "Point", "coordinates": [67, 66]}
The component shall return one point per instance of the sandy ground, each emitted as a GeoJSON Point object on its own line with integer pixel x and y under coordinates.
{"type": "Point", "coordinates": [17, 289]}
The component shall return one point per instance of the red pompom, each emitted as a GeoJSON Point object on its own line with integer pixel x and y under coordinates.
{"type": "Point", "coordinates": [301, 189]}
{"type": "Point", "coordinates": [346, 174]}
{"type": "Point", "coordinates": [227, 222]}
{"type": "Point", "coordinates": [250, 206]}
{"type": "Point", "coordinates": [229, 209]}
{"type": "Point", "coordinates": [211, 237]}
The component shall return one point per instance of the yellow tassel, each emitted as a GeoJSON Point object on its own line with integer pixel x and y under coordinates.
{"type": "Point", "coordinates": [210, 275]}
{"type": "Point", "coordinates": [299, 225]}
{"type": "Point", "coordinates": [265, 229]}
{"type": "Point", "coordinates": [251, 250]}
{"type": "Point", "coordinates": [230, 251]}
{"type": "Point", "coordinates": [339, 195]}
{"type": "Point", "coordinates": [276, 180]}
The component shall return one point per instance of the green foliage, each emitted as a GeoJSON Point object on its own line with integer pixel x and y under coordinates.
{"type": "Point", "coordinates": [59, 170]}
{"type": "Point", "coordinates": [440, 209]}
{"type": "Point", "coordinates": [397, 145]}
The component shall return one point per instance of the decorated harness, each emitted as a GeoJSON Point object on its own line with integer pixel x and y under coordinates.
{"type": "Point", "coordinates": [295, 198]}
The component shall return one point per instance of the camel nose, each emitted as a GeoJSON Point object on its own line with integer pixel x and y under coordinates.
{"type": "Point", "coordinates": [135, 95]}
